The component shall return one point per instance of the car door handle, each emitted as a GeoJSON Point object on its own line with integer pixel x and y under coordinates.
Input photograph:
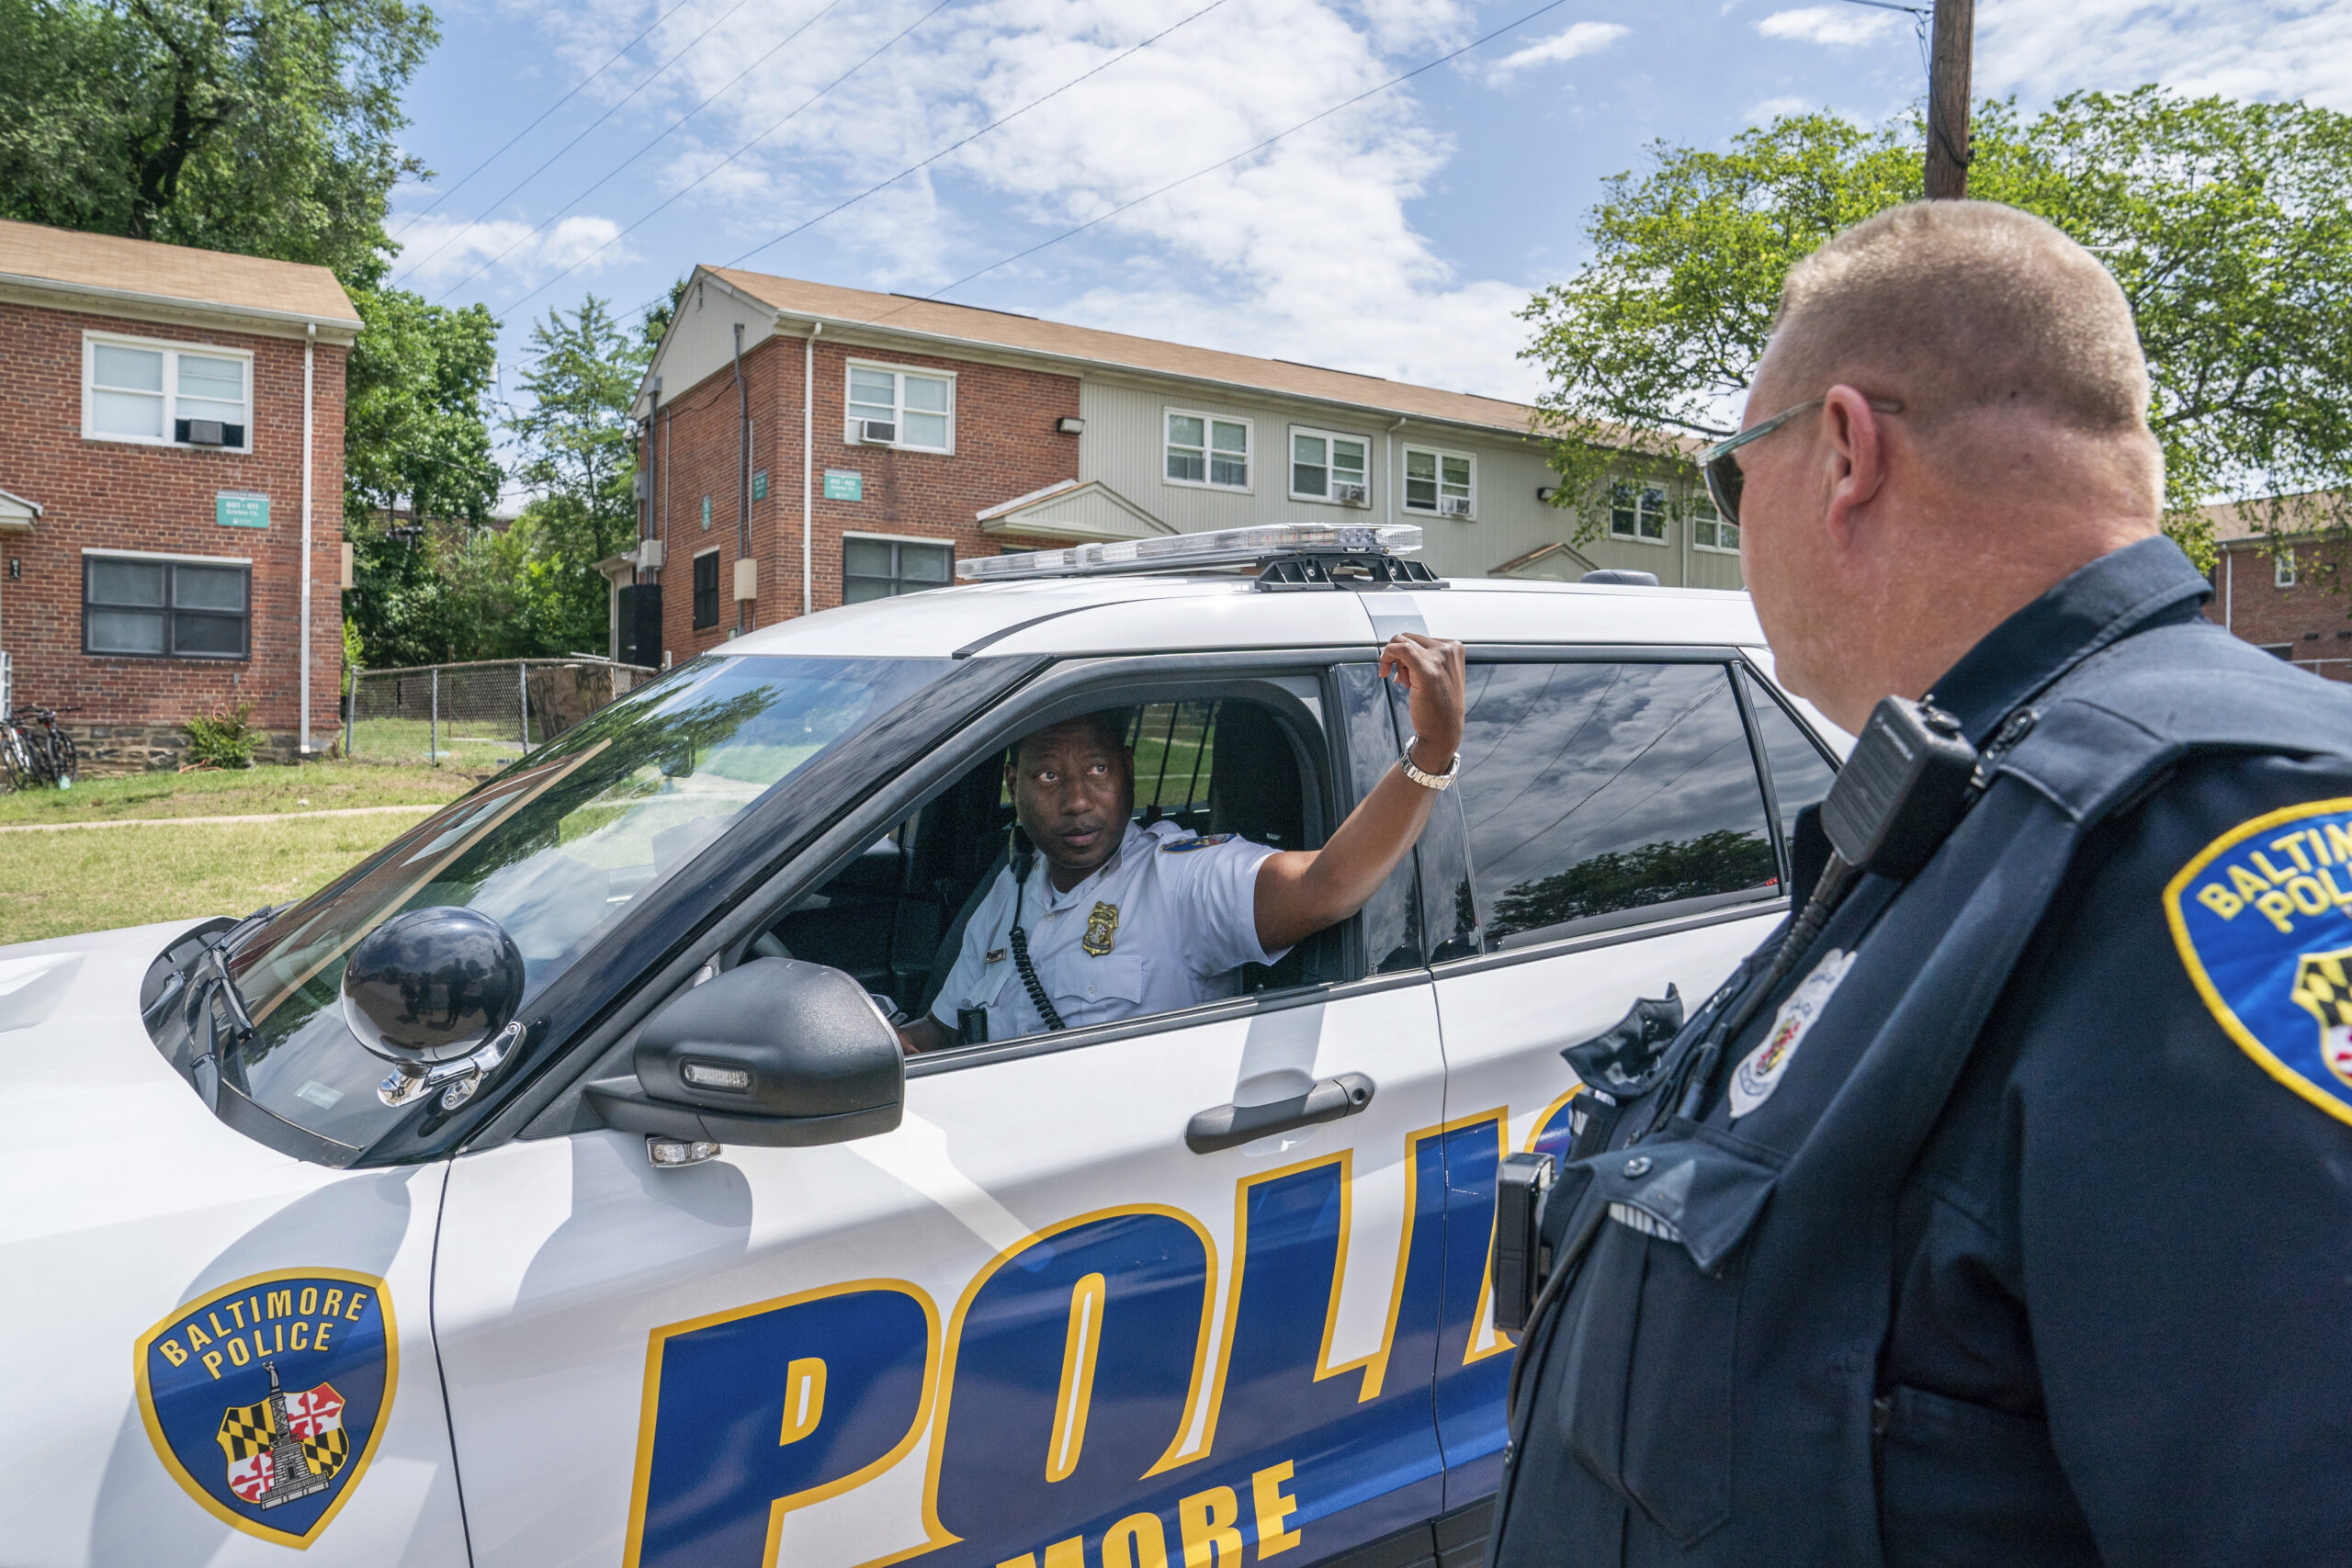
{"type": "Point", "coordinates": [1225, 1126]}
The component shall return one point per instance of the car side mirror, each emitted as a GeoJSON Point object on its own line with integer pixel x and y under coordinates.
{"type": "Point", "coordinates": [774, 1052]}
{"type": "Point", "coordinates": [434, 991]}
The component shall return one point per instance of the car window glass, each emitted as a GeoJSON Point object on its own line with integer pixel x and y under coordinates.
{"type": "Point", "coordinates": [1593, 789]}
{"type": "Point", "coordinates": [1800, 774]}
{"type": "Point", "coordinates": [896, 918]}
{"type": "Point", "coordinates": [554, 850]}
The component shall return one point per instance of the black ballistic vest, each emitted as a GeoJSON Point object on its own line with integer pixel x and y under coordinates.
{"type": "Point", "coordinates": [1700, 1389]}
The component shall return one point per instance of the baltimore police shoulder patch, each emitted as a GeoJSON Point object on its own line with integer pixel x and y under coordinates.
{"type": "Point", "coordinates": [1198, 841]}
{"type": "Point", "coordinates": [2263, 918]}
{"type": "Point", "coordinates": [265, 1398]}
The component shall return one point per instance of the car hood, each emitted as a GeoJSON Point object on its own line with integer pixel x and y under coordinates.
{"type": "Point", "coordinates": [95, 1125]}
{"type": "Point", "coordinates": [127, 1200]}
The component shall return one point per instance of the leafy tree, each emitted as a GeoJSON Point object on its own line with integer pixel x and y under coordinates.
{"type": "Point", "coordinates": [267, 127]}
{"type": "Point", "coordinates": [2228, 224]}
{"type": "Point", "coordinates": [574, 438]}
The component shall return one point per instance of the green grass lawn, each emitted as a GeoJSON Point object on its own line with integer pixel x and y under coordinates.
{"type": "Point", "coordinates": [314, 786]}
{"type": "Point", "coordinates": [463, 743]}
{"type": "Point", "coordinates": [58, 884]}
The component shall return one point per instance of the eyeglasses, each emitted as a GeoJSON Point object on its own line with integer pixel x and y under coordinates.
{"type": "Point", "coordinates": [1724, 480]}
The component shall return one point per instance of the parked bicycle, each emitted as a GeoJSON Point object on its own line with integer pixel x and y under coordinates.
{"type": "Point", "coordinates": [36, 753]}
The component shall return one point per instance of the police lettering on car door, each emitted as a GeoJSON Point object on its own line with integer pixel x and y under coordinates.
{"type": "Point", "coordinates": [1084, 1393]}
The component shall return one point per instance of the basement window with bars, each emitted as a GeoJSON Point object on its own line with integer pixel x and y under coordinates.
{"type": "Point", "coordinates": [884, 569]}
{"type": "Point", "coordinates": [163, 394]}
{"type": "Point", "coordinates": [141, 607]}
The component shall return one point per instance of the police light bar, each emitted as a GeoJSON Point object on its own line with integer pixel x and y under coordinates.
{"type": "Point", "coordinates": [1184, 552]}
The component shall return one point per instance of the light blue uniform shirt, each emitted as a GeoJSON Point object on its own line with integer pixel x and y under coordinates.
{"type": "Point", "coordinates": [1177, 912]}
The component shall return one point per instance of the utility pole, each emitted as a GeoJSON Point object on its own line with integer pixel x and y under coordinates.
{"type": "Point", "coordinates": [1948, 145]}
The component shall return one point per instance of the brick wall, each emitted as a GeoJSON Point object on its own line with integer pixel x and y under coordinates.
{"type": "Point", "coordinates": [1005, 441]}
{"type": "Point", "coordinates": [2311, 623]}
{"type": "Point", "coordinates": [119, 495]}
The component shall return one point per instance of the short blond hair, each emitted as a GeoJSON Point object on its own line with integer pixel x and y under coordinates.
{"type": "Point", "coordinates": [1960, 307]}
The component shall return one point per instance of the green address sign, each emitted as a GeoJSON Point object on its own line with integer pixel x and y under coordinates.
{"type": "Point", "coordinates": [240, 509]}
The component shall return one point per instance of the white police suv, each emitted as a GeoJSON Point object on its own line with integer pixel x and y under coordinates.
{"type": "Point", "coordinates": [590, 1215]}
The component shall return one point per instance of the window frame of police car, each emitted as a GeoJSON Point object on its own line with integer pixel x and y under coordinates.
{"type": "Point", "coordinates": [666, 771]}
{"type": "Point", "coordinates": [1734, 688]}
{"type": "Point", "coordinates": [1302, 691]}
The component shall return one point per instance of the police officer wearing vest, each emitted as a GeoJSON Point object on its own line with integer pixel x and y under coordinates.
{"type": "Point", "coordinates": [1121, 919]}
{"type": "Point", "coordinates": [1998, 1210]}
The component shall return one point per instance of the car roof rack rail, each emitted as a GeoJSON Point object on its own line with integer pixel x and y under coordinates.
{"type": "Point", "coordinates": [1291, 574]}
{"type": "Point", "coordinates": [1287, 555]}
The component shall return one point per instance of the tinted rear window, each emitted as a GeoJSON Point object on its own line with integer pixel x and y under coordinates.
{"type": "Point", "coordinates": [1593, 789]}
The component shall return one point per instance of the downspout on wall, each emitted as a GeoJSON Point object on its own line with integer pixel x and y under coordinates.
{"type": "Point", "coordinates": [743, 471]}
{"type": "Point", "coordinates": [310, 354]}
{"type": "Point", "coordinates": [808, 466]}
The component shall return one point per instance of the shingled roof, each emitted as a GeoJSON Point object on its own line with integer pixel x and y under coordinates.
{"type": "Point", "coordinates": [104, 267]}
{"type": "Point", "coordinates": [1028, 334]}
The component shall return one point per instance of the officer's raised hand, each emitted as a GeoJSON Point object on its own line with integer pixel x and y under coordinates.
{"type": "Point", "coordinates": [1301, 892]}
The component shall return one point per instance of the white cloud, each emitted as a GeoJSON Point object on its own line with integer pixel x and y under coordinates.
{"type": "Point", "coordinates": [1773, 109]}
{"type": "Point", "coordinates": [1584, 38]}
{"type": "Point", "coordinates": [2243, 49]}
{"type": "Point", "coordinates": [1839, 26]}
{"type": "Point", "coordinates": [444, 250]}
{"type": "Point", "coordinates": [1306, 249]}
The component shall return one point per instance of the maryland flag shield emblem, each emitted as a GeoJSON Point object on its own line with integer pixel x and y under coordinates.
{"type": "Point", "coordinates": [2262, 920]}
{"type": "Point", "coordinates": [265, 1398]}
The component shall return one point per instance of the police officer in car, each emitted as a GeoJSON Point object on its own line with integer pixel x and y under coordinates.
{"type": "Point", "coordinates": [1998, 1210]}
{"type": "Point", "coordinates": [1097, 917]}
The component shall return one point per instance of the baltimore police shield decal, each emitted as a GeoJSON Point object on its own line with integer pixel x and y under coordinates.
{"type": "Point", "coordinates": [2263, 918]}
{"type": "Point", "coordinates": [265, 1398]}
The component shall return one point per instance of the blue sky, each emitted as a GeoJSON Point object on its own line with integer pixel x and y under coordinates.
{"type": "Point", "coordinates": [1396, 236]}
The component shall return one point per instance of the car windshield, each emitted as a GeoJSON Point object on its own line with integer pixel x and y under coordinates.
{"type": "Point", "coordinates": [555, 848]}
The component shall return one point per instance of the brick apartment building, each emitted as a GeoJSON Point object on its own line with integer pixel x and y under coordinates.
{"type": "Point", "coordinates": [804, 445]}
{"type": "Point", "coordinates": [174, 457]}
{"type": "Point", "coordinates": [2291, 594]}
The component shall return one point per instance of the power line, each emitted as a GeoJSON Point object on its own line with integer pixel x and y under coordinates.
{"type": "Point", "coordinates": [414, 217]}
{"type": "Point", "coordinates": [943, 152]}
{"type": "Point", "coordinates": [650, 78]}
{"type": "Point", "coordinates": [544, 224]}
{"type": "Point", "coordinates": [684, 190]}
{"type": "Point", "coordinates": [1222, 163]}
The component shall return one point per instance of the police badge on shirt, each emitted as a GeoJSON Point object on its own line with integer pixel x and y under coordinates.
{"type": "Point", "coordinates": [2262, 920]}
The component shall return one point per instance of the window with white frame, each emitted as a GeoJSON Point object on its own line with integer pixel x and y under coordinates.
{"type": "Point", "coordinates": [1206, 450]}
{"type": "Point", "coordinates": [138, 390]}
{"type": "Point", "coordinates": [2282, 568]}
{"type": "Point", "coordinates": [1637, 513]}
{"type": "Point", "coordinates": [1325, 466]}
{"type": "Point", "coordinates": [1441, 483]}
{"type": "Point", "coordinates": [1709, 532]}
{"type": "Point", "coordinates": [917, 408]}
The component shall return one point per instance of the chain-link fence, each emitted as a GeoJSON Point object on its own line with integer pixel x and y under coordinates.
{"type": "Point", "coordinates": [476, 716]}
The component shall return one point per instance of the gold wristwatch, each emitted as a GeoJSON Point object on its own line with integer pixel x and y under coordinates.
{"type": "Point", "coordinates": [1422, 777]}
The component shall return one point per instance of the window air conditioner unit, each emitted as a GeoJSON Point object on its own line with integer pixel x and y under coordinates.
{"type": "Point", "coordinates": [1455, 506]}
{"type": "Point", "coordinates": [1351, 495]}
{"type": "Point", "coordinates": [873, 433]}
{"type": "Point", "coordinates": [207, 433]}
